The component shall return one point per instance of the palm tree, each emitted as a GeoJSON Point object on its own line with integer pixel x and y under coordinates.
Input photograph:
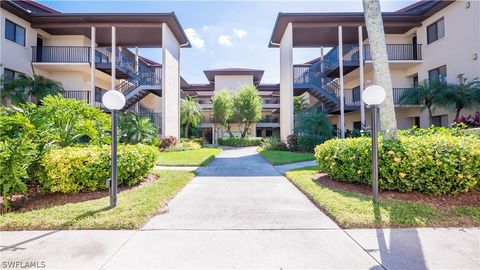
{"type": "Point", "coordinates": [465, 94]}
{"type": "Point", "coordinates": [299, 104]}
{"type": "Point", "coordinates": [136, 129]}
{"type": "Point", "coordinates": [18, 89]}
{"type": "Point", "coordinates": [424, 93]}
{"type": "Point", "coordinates": [378, 50]}
{"type": "Point", "coordinates": [190, 113]}
{"type": "Point", "coordinates": [314, 123]}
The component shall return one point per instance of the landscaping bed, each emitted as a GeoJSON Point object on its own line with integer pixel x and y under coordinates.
{"type": "Point", "coordinates": [91, 210]}
{"type": "Point", "coordinates": [350, 205]}
{"type": "Point", "coordinates": [285, 157]}
{"type": "Point", "coordinates": [197, 157]}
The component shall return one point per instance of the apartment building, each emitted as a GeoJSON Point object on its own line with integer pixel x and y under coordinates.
{"type": "Point", "coordinates": [92, 53]}
{"type": "Point", "coordinates": [232, 79]}
{"type": "Point", "coordinates": [426, 40]}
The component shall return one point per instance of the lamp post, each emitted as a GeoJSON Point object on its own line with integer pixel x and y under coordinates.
{"type": "Point", "coordinates": [114, 101]}
{"type": "Point", "coordinates": [374, 95]}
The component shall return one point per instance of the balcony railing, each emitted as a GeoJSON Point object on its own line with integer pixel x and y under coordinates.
{"type": "Point", "coordinates": [398, 52]}
{"type": "Point", "coordinates": [61, 54]}
{"type": "Point", "coordinates": [270, 119]}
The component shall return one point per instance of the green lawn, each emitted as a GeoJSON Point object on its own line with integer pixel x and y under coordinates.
{"type": "Point", "coordinates": [199, 157]}
{"type": "Point", "coordinates": [285, 157]}
{"type": "Point", "coordinates": [134, 208]}
{"type": "Point", "coordinates": [353, 210]}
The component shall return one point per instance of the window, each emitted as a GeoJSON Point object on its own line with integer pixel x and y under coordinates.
{"type": "Point", "coordinates": [435, 31]}
{"type": "Point", "coordinates": [439, 73]}
{"type": "Point", "coordinates": [415, 80]}
{"type": "Point", "coordinates": [439, 121]}
{"type": "Point", "coordinates": [357, 125]}
{"type": "Point", "coordinates": [10, 74]}
{"type": "Point", "coordinates": [416, 121]}
{"type": "Point", "coordinates": [356, 94]}
{"type": "Point", "coordinates": [14, 32]}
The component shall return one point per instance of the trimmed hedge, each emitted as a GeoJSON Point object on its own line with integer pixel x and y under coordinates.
{"type": "Point", "coordinates": [240, 142]}
{"type": "Point", "coordinates": [433, 164]}
{"type": "Point", "coordinates": [75, 169]}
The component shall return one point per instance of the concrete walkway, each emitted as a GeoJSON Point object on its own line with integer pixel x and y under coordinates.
{"type": "Point", "coordinates": [287, 167]}
{"type": "Point", "coordinates": [240, 212]}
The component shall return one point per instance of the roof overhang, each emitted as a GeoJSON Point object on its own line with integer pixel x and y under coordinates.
{"type": "Point", "coordinates": [321, 29]}
{"type": "Point", "coordinates": [133, 29]}
{"type": "Point", "coordinates": [257, 74]}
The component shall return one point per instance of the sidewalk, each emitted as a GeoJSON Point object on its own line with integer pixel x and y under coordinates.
{"type": "Point", "coordinates": [240, 212]}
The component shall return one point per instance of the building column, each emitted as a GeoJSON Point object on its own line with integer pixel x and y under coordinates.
{"type": "Point", "coordinates": [286, 83]}
{"type": "Point", "coordinates": [362, 75]}
{"type": "Point", "coordinates": [113, 58]}
{"type": "Point", "coordinates": [170, 83]}
{"type": "Point", "coordinates": [137, 107]}
{"type": "Point", "coordinates": [92, 65]}
{"type": "Point", "coordinates": [340, 67]}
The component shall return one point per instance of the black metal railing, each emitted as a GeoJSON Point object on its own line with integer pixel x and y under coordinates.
{"type": "Point", "coordinates": [270, 119]}
{"type": "Point", "coordinates": [61, 54]}
{"type": "Point", "coordinates": [398, 52]}
{"type": "Point", "coordinates": [151, 76]}
{"type": "Point", "coordinates": [77, 94]}
{"type": "Point", "coordinates": [155, 118]}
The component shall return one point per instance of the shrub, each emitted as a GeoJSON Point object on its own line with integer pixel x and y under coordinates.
{"type": "Point", "coordinates": [240, 142]}
{"type": "Point", "coordinates": [197, 140]}
{"type": "Point", "coordinates": [273, 144]}
{"type": "Point", "coordinates": [167, 142]}
{"type": "Point", "coordinates": [184, 146]}
{"type": "Point", "coordinates": [18, 152]}
{"type": "Point", "coordinates": [307, 142]}
{"type": "Point", "coordinates": [292, 142]}
{"type": "Point", "coordinates": [75, 169]}
{"type": "Point", "coordinates": [455, 130]}
{"type": "Point", "coordinates": [433, 164]}
{"type": "Point", "coordinates": [136, 129]}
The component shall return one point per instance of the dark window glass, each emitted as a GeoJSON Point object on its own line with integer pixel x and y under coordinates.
{"type": "Point", "coordinates": [14, 32]}
{"type": "Point", "coordinates": [439, 121]}
{"type": "Point", "coordinates": [435, 31]}
{"type": "Point", "coordinates": [417, 121]}
{"type": "Point", "coordinates": [415, 80]}
{"type": "Point", "coordinates": [356, 94]}
{"type": "Point", "coordinates": [8, 74]}
{"type": "Point", "coordinates": [10, 30]}
{"type": "Point", "coordinates": [439, 73]}
{"type": "Point", "coordinates": [269, 133]}
{"type": "Point", "coordinates": [357, 125]}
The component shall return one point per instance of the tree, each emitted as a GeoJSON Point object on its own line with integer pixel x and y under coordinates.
{"type": "Point", "coordinates": [299, 104]}
{"type": "Point", "coordinates": [18, 89]}
{"type": "Point", "coordinates": [315, 123]}
{"type": "Point", "coordinates": [425, 93]}
{"type": "Point", "coordinates": [465, 94]}
{"type": "Point", "coordinates": [135, 129]}
{"type": "Point", "coordinates": [378, 50]}
{"type": "Point", "coordinates": [223, 109]}
{"type": "Point", "coordinates": [247, 105]}
{"type": "Point", "coordinates": [190, 114]}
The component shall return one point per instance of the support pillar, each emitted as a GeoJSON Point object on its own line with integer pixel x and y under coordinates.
{"type": "Point", "coordinates": [113, 57]}
{"type": "Point", "coordinates": [137, 107]}
{"type": "Point", "coordinates": [170, 83]}
{"type": "Point", "coordinates": [340, 67]}
{"type": "Point", "coordinates": [92, 65]}
{"type": "Point", "coordinates": [286, 83]}
{"type": "Point", "coordinates": [362, 75]}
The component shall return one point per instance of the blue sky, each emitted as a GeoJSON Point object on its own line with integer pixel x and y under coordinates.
{"type": "Point", "coordinates": [224, 33]}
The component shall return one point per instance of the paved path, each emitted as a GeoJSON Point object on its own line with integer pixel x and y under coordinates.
{"type": "Point", "coordinates": [240, 212]}
{"type": "Point", "coordinates": [287, 167]}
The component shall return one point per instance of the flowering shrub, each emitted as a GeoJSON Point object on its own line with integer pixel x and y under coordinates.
{"type": "Point", "coordinates": [75, 169]}
{"type": "Point", "coordinates": [184, 145]}
{"type": "Point", "coordinates": [167, 142]}
{"type": "Point", "coordinates": [470, 121]}
{"type": "Point", "coordinates": [273, 144]}
{"type": "Point", "coordinates": [435, 164]}
{"type": "Point", "coordinates": [292, 141]}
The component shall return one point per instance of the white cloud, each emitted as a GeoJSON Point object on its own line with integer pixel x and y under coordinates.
{"type": "Point", "coordinates": [225, 40]}
{"type": "Point", "coordinates": [240, 33]}
{"type": "Point", "coordinates": [195, 38]}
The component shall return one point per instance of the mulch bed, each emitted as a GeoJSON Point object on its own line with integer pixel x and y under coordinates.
{"type": "Point", "coordinates": [37, 199]}
{"type": "Point", "coordinates": [464, 199]}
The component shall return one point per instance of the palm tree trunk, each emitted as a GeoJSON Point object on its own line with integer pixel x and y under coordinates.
{"type": "Point", "coordinates": [430, 116]}
{"type": "Point", "coordinates": [378, 50]}
{"type": "Point", "coordinates": [457, 113]}
{"type": "Point", "coordinates": [186, 129]}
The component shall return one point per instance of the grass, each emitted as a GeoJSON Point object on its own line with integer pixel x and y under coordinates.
{"type": "Point", "coordinates": [353, 210]}
{"type": "Point", "coordinates": [285, 157]}
{"type": "Point", "coordinates": [134, 209]}
{"type": "Point", "coordinates": [199, 157]}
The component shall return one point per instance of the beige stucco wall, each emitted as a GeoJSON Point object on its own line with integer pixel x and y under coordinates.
{"type": "Point", "coordinates": [232, 82]}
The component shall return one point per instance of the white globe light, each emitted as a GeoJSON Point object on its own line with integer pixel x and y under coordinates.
{"type": "Point", "coordinates": [373, 95]}
{"type": "Point", "coordinates": [113, 100]}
